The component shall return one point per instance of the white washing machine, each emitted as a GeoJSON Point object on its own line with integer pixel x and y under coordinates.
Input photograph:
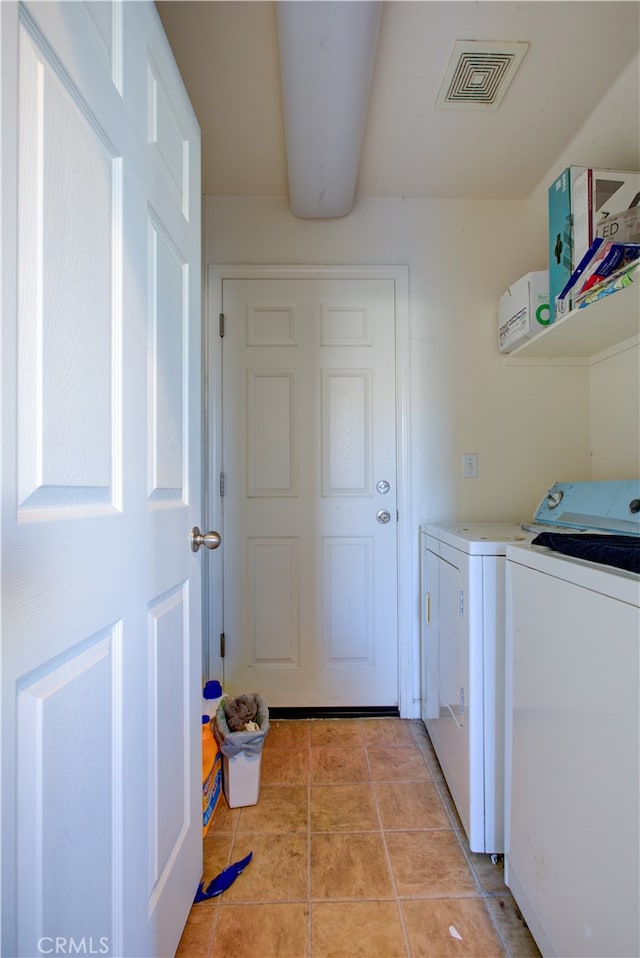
{"type": "Point", "coordinates": [463, 586]}
{"type": "Point", "coordinates": [573, 726]}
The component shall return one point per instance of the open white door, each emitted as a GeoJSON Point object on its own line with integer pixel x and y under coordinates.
{"type": "Point", "coordinates": [101, 637]}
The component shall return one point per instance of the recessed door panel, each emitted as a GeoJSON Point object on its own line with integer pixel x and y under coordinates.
{"type": "Point", "coordinates": [272, 434]}
{"type": "Point", "coordinates": [169, 784]}
{"type": "Point", "coordinates": [346, 433]}
{"type": "Point", "coordinates": [348, 596]}
{"type": "Point", "coordinates": [69, 293]}
{"type": "Point", "coordinates": [168, 138]}
{"type": "Point", "coordinates": [66, 711]}
{"type": "Point", "coordinates": [270, 325]}
{"type": "Point", "coordinates": [346, 325]}
{"type": "Point", "coordinates": [168, 317]}
{"type": "Point", "coordinates": [274, 602]}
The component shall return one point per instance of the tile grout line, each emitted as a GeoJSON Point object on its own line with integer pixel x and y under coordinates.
{"type": "Point", "coordinates": [394, 884]}
{"type": "Point", "coordinates": [483, 894]}
{"type": "Point", "coordinates": [230, 857]}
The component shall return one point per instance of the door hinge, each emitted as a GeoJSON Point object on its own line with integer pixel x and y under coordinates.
{"type": "Point", "coordinates": [461, 603]}
{"type": "Point", "coordinates": [222, 645]}
{"type": "Point", "coordinates": [221, 485]}
{"type": "Point", "coordinates": [221, 325]}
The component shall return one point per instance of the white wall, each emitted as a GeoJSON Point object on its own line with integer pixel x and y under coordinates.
{"type": "Point", "coordinates": [609, 140]}
{"type": "Point", "coordinates": [528, 425]}
{"type": "Point", "coordinates": [615, 416]}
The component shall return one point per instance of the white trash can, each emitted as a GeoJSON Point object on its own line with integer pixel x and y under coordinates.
{"type": "Point", "coordinates": [241, 756]}
{"type": "Point", "coordinates": [241, 779]}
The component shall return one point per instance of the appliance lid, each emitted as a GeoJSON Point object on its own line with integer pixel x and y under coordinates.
{"type": "Point", "coordinates": [477, 538]}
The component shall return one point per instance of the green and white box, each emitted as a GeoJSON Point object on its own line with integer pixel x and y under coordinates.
{"type": "Point", "coordinates": [523, 310]}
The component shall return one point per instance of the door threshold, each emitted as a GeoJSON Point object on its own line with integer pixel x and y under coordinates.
{"type": "Point", "coordinates": [335, 712]}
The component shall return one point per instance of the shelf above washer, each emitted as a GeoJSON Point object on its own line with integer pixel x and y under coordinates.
{"type": "Point", "coordinates": [586, 332]}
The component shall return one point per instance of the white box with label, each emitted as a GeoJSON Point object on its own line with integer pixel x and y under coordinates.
{"type": "Point", "coordinates": [523, 310]}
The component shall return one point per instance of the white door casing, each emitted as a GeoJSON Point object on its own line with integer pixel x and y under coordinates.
{"type": "Point", "coordinates": [325, 418]}
{"type": "Point", "coordinates": [101, 815]}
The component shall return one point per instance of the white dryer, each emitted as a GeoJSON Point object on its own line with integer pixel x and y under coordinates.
{"type": "Point", "coordinates": [462, 699]}
{"type": "Point", "coordinates": [463, 570]}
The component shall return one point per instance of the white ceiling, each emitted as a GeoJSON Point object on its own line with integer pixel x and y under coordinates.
{"type": "Point", "coordinates": [227, 53]}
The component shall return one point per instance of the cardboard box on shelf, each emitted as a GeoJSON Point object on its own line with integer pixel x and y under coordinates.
{"type": "Point", "coordinates": [621, 227]}
{"type": "Point", "coordinates": [561, 260]}
{"type": "Point", "coordinates": [523, 310]}
{"type": "Point", "coordinates": [597, 195]}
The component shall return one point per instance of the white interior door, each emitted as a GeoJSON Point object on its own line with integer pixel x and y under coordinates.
{"type": "Point", "coordinates": [101, 817]}
{"type": "Point", "coordinates": [309, 461]}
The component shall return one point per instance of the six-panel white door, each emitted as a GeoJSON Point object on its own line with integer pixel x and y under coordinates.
{"type": "Point", "coordinates": [309, 461]}
{"type": "Point", "coordinates": [101, 817]}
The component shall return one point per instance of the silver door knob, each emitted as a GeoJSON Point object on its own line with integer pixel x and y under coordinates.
{"type": "Point", "coordinates": [383, 516]}
{"type": "Point", "coordinates": [210, 540]}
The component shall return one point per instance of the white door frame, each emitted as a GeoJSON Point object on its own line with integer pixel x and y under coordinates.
{"type": "Point", "coordinates": [213, 446]}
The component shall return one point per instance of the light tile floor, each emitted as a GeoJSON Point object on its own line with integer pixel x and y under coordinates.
{"type": "Point", "coordinates": [358, 852]}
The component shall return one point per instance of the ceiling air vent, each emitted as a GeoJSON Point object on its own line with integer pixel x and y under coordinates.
{"type": "Point", "coordinates": [479, 73]}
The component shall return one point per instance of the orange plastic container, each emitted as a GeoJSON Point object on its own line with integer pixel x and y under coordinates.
{"type": "Point", "coordinates": [211, 774]}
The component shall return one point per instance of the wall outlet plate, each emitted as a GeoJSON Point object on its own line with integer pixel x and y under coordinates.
{"type": "Point", "coordinates": [470, 465]}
